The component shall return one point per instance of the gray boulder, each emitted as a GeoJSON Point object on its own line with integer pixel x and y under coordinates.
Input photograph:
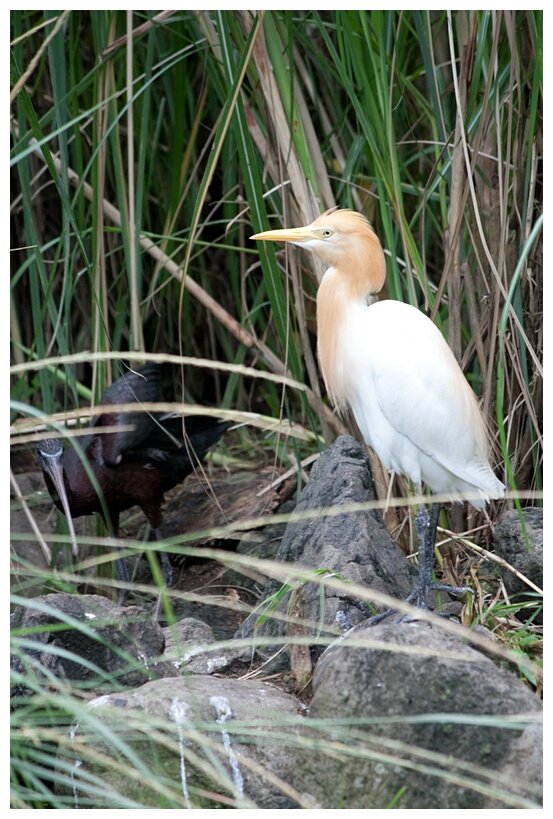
{"type": "Point", "coordinates": [86, 640]}
{"type": "Point", "coordinates": [521, 548]}
{"type": "Point", "coordinates": [406, 715]}
{"type": "Point", "coordinates": [192, 742]}
{"type": "Point", "coordinates": [354, 546]}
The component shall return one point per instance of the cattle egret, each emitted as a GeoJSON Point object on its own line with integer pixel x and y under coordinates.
{"type": "Point", "coordinates": [391, 365]}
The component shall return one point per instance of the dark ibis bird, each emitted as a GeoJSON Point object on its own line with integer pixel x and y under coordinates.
{"type": "Point", "coordinates": [130, 467]}
{"type": "Point", "coordinates": [389, 363]}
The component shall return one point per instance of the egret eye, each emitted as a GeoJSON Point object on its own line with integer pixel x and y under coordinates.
{"type": "Point", "coordinates": [326, 233]}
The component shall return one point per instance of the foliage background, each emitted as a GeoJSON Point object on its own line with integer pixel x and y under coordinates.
{"type": "Point", "coordinates": [200, 128]}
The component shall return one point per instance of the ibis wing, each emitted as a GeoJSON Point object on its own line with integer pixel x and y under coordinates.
{"type": "Point", "coordinates": [179, 444]}
{"type": "Point", "coordinates": [142, 385]}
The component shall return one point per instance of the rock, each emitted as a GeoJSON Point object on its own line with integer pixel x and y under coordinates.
{"type": "Point", "coordinates": [186, 634]}
{"type": "Point", "coordinates": [194, 742]}
{"type": "Point", "coordinates": [415, 718]}
{"type": "Point", "coordinates": [190, 646]}
{"type": "Point", "coordinates": [356, 546]}
{"type": "Point", "coordinates": [412, 717]}
{"type": "Point", "coordinates": [87, 639]}
{"type": "Point", "coordinates": [264, 544]}
{"type": "Point", "coordinates": [222, 609]}
{"type": "Point", "coordinates": [210, 502]}
{"type": "Point", "coordinates": [510, 544]}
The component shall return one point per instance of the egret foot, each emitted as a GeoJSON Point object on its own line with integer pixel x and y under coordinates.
{"type": "Point", "coordinates": [426, 527]}
{"type": "Point", "coordinates": [408, 618]}
{"type": "Point", "coordinates": [385, 614]}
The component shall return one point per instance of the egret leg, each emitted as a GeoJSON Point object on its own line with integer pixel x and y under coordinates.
{"type": "Point", "coordinates": [426, 527]}
{"type": "Point", "coordinates": [426, 536]}
{"type": "Point", "coordinates": [426, 533]}
{"type": "Point", "coordinates": [425, 557]}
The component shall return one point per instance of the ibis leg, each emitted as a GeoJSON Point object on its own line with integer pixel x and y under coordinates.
{"type": "Point", "coordinates": [167, 574]}
{"type": "Point", "coordinates": [123, 574]}
{"type": "Point", "coordinates": [166, 568]}
{"type": "Point", "coordinates": [122, 571]}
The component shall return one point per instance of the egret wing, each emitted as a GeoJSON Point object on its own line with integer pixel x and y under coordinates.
{"type": "Point", "coordinates": [417, 393]}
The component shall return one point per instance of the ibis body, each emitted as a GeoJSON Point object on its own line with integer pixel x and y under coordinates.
{"type": "Point", "coordinates": [132, 467]}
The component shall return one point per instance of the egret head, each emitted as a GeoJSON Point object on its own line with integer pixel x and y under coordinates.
{"type": "Point", "coordinates": [343, 239]}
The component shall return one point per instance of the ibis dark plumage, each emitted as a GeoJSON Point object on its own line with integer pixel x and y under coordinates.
{"type": "Point", "coordinates": [135, 466]}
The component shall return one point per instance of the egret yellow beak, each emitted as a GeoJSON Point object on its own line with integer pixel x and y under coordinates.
{"type": "Point", "coordinates": [296, 235]}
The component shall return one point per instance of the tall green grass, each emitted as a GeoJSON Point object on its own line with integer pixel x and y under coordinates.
{"type": "Point", "coordinates": [206, 126]}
